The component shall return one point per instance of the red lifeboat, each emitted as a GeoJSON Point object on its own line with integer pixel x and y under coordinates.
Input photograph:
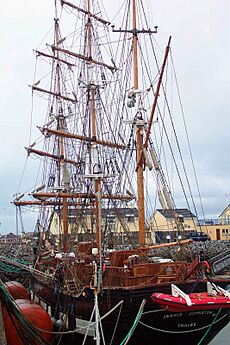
{"type": "Point", "coordinates": [33, 313]}
{"type": "Point", "coordinates": [17, 290]}
{"type": "Point", "coordinates": [214, 298]}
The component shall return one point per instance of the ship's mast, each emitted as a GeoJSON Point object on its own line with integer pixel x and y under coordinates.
{"type": "Point", "coordinates": [60, 125]}
{"type": "Point", "coordinates": [97, 182]}
{"type": "Point", "coordinates": [135, 54]}
{"type": "Point", "coordinates": [139, 138]}
{"type": "Point", "coordinates": [61, 191]}
{"type": "Point", "coordinates": [139, 123]}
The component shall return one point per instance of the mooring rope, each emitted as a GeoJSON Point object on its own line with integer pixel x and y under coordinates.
{"type": "Point", "coordinates": [137, 319]}
{"type": "Point", "coordinates": [210, 326]}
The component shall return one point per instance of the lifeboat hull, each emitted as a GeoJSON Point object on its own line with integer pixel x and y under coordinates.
{"type": "Point", "coordinates": [200, 301]}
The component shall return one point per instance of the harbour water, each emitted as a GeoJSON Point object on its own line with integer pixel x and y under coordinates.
{"type": "Point", "coordinates": [223, 338]}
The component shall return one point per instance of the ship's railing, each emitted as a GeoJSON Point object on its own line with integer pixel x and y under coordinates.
{"type": "Point", "coordinates": [144, 274]}
{"type": "Point", "coordinates": [213, 221]}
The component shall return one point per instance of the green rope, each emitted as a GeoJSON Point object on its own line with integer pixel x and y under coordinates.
{"type": "Point", "coordinates": [137, 319]}
{"type": "Point", "coordinates": [205, 334]}
{"type": "Point", "coordinates": [17, 260]}
{"type": "Point", "coordinates": [9, 268]}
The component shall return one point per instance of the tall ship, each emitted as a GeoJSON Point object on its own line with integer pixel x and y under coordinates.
{"type": "Point", "coordinates": [101, 156]}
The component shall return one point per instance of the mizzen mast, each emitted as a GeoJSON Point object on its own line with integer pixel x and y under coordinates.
{"type": "Point", "coordinates": [140, 123]}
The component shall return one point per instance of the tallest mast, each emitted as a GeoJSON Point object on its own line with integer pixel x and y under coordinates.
{"type": "Point", "coordinates": [135, 63]}
{"type": "Point", "coordinates": [139, 137]}
{"type": "Point", "coordinates": [139, 121]}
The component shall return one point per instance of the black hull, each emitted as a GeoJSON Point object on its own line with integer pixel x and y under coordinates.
{"type": "Point", "coordinates": [190, 328]}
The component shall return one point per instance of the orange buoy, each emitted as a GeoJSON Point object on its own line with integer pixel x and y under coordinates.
{"type": "Point", "coordinates": [17, 290]}
{"type": "Point", "coordinates": [32, 312]}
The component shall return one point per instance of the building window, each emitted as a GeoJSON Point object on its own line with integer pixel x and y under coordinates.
{"type": "Point", "coordinates": [225, 231]}
{"type": "Point", "coordinates": [227, 220]}
{"type": "Point", "coordinates": [130, 219]}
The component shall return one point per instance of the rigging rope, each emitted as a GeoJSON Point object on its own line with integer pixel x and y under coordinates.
{"type": "Point", "coordinates": [187, 136]}
{"type": "Point", "coordinates": [180, 153]}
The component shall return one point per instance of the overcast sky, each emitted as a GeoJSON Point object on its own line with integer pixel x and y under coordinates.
{"type": "Point", "coordinates": [200, 44]}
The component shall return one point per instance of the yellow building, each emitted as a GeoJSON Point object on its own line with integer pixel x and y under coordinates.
{"type": "Point", "coordinates": [118, 225]}
{"type": "Point", "coordinates": [170, 225]}
{"type": "Point", "coordinates": [121, 225]}
{"type": "Point", "coordinates": [218, 229]}
{"type": "Point", "coordinates": [225, 216]}
{"type": "Point", "coordinates": [165, 228]}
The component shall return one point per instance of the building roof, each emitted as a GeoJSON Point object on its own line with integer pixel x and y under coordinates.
{"type": "Point", "coordinates": [184, 212]}
{"type": "Point", "coordinates": [10, 235]}
{"type": "Point", "coordinates": [224, 211]}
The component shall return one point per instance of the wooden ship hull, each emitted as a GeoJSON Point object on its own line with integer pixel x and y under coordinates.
{"type": "Point", "coordinates": [127, 311]}
{"type": "Point", "coordinates": [163, 326]}
{"type": "Point", "coordinates": [126, 308]}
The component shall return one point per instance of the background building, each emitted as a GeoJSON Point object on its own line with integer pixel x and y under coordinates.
{"type": "Point", "coordinates": [171, 225]}
{"type": "Point", "coordinates": [10, 238]}
{"type": "Point", "coordinates": [217, 228]}
{"type": "Point", "coordinates": [119, 225]}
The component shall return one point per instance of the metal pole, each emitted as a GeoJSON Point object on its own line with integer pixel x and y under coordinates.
{"type": "Point", "coordinates": [97, 320]}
